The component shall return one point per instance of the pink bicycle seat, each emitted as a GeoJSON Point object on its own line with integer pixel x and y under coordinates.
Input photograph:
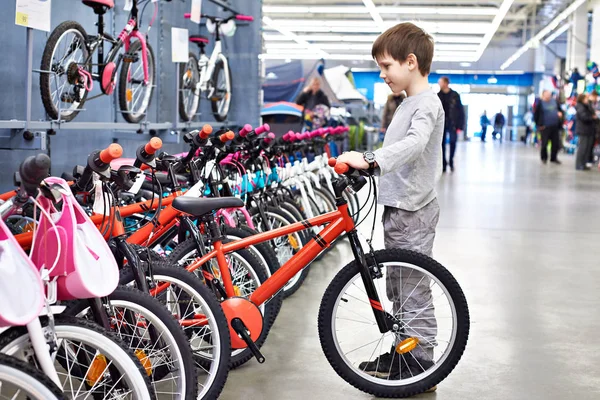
{"type": "Point", "coordinates": [86, 267]}
{"type": "Point", "coordinates": [96, 3]}
{"type": "Point", "coordinates": [21, 288]}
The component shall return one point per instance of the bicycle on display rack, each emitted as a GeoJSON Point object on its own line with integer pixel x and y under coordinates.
{"type": "Point", "coordinates": [67, 77]}
{"type": "Point", "coordinates": [207, 75]}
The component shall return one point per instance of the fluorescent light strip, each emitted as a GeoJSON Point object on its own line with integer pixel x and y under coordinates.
{"type": "Point", "coordinates": [367, 38]}
{"type": "Point", "coordinates": [270, 23]}
{"type": "Point", "coordinates": [348, 57]}
{"type": "Point", "coordinates": [502, 11]}
{"type": "Point", "coordinates": [557, 33]}
{"type": "Point", "coordinates": [452, 10]}
{"type": "Point", "coordinates": [374, 14]}
{"type": "Point", "coordinates": [546, 30]}
{"type": "Point", "coordinates": [365, 46]}
{"type": "Point", "coordinates": [475, 72]}
{"type": "Point", "coordinates": [369, 27]}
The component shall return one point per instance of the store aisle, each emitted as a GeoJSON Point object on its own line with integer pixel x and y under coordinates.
{"type": "Point", "coordinates": [521, 239]}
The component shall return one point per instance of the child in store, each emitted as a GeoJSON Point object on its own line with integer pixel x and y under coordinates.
{"type": "Point", "coordinates": [409, 165]}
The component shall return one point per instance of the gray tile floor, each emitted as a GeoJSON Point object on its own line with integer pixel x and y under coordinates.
{"type": "Point", "coordinates": [522, 240]}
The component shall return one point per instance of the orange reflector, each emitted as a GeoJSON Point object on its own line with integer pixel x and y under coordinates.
{"type": "Point", "coordinates": [96, 370]}
{"type": "Point", "coordinates": [407, 345]}
{"type": "Point", "coordinates": [129, 95]}
{"type": "Point", "coordinates": [237, 291]}
{"type": "Point", "coordinates": [141, 355]}
{"type": "Point", "coordinates": [293, 241]}
{"type": "Point", "coordinates": [189, 74]}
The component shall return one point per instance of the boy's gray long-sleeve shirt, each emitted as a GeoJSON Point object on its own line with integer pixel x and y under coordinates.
{"type": "Point", "coordinates": [410, 161]}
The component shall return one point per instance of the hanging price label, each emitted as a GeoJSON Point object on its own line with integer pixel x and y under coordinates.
{"type": "Point", "coordinates": [33, 14]}
{"type": "Point", "coordinates": [196, 11]}
{"type": "Point", "coordinates": [128, 5]}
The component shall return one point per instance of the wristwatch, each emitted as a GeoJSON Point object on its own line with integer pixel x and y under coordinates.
{"type": "Point", "coordinates": [369, 157]}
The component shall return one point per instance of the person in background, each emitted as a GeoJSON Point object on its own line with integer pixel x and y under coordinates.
{"type": "Point", "coordinates": [596, 107]}
{"type": "Point", "coordinates": [499, 122]}
{"type": "Point", "coordinates": [485, 122]}
{"type": "Point", "coordinates": [528, 121]}
{"type": "Point", "coordinates": [391, 105]}
{"type": "Point", "coordinates": [548, 118]}
{"type": "Point", "coordinates": [454, 120]}
{"type": "Point", "coordinates": [585, 128]}
{"type": "Point", "coordinates": [312, 95]}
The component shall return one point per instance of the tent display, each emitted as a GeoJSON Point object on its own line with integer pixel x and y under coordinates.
{"type": "Point", "coordinates": [282, 117]}
{"type": "Point", "coordinates": [340, 84]}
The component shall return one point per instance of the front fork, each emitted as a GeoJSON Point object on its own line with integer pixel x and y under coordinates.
{"type": "Point", "coordinates": [368, 269]}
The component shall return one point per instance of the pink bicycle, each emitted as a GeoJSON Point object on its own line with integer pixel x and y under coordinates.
{"type": "Point", "coordinates": [67, 76]}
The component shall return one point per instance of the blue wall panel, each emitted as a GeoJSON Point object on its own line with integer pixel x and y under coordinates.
{"type": "Point", "coordinates": [70, 147]}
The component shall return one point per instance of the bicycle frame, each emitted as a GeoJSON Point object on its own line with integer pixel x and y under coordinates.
{"type": "Point", "coordinates": [207, 65]}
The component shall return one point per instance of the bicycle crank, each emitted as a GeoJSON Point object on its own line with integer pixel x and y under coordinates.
{"type": "Point", "coordinates": [245, 324]}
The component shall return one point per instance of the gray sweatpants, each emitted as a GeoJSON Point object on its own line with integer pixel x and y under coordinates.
{"type": "Point", "coordinates": [409, 290]}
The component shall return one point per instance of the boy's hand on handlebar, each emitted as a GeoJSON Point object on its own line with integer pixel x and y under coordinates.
{"type": "Point", "coordinates": [354, 159]}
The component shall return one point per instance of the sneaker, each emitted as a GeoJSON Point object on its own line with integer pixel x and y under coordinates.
{"type": "Point", "coordinates": [544, 161]}
{"type": "Point", "coordinates": [412, 367]}
{"type": "Point", "coordinates": [384, 366]}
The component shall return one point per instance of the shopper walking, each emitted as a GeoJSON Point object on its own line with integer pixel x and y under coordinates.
{"type": "Point", "coordinates": [454, 120]}
{"type": "Point", "coordinates": [596, 107]}
{"type": "Point", "coordinates": [312, 95]}
{"type": "Point", "coordinates": [391, 105]}
{"type": "Point", "coordinates": [485, 122]}
{"type": "Point", "coordinates": [499, 122]}
{"type": "Point", "coordinates": [548, 119]}
{"type": "Point", "coordinates": [409, 167]}
{"type": "Point", "coordinates": [585, 128]}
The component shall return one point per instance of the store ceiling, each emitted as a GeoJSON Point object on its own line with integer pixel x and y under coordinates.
{"type": "Point", "coordinates": [345, 30]}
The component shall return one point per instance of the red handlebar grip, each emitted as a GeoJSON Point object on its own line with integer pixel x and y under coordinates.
{"type": "Point", "coordinates": [153, 145]}
{"type": "Point", "coordinates": [227, 136]}
{"type": "Point", "coordinates": [341, 168]}
{"type": "Point", "coordinates": [112, 152]}
{"type": "Point", "coordinates": [271, 136]}
{"type": "Point", "coordinates": [332, 161]}
{"type": "Point", "coordinates": [187, 15]}
{"type": "Point", "coordinates": [241, 17]}
{"type": "Point", "coordinates": [262, 129]}
{"type": "Point", "coordinates": [206, 131]}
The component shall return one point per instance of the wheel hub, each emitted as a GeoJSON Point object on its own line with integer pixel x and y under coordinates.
{"type": "Point", "coordinates": [73, 73]}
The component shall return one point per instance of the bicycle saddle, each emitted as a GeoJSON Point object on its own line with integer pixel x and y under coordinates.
{"type": "Point", "coordinates": [203, 206]}
{"type": "Point", "coordinates": [199, 39]}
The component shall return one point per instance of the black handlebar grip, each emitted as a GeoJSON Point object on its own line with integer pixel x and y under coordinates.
{"type": "Point", "coordinates": [33, 171]}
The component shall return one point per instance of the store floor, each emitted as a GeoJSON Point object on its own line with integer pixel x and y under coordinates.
{"type": "Point", "coordinates": [522, 239]}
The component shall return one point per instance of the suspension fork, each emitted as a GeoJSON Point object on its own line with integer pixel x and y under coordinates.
{"type": "Point", "coordinates": [384, 320]}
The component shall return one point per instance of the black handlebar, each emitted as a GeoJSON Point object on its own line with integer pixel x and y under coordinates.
{"type": "Point", "coordinates": [33, 171]}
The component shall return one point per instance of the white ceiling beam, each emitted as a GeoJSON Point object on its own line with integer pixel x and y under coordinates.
{"type": "Point", "coordinates": [365, 26]}
{"type": "Point", "coordinates": [467, 39]}
{"type": "Point", "coordinates": [365, 46]}
{"type": "Point", "coordinates": [487, 38]}
{"type": "Point", "coordinates": [410, 10]}
{"type": "Point", "coordinates": [348, 57]}
{"type": "Point", "coordinates": [534, 41]}
{"type": "Point", "coordinates": [272, 24]}
{"type": "Point", "coordinates": [374, 14]}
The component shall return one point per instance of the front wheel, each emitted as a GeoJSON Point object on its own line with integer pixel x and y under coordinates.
{"type": "Point", "coordinates": [221, 95]}
{"type": "Point", "coordinates": [189, 93]}
{"type": "Point", "coordinates": [135, 92]}
{"type": "Point", "coordinates": [423, 344]}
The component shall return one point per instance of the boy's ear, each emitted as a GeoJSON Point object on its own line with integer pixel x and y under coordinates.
{"type": "Point", "coordinates": [412, 62]}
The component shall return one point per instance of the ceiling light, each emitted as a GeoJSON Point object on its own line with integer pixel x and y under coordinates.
{"type": "Point", "coordinates": [465, 64]}
{"type": "Point", "coordinates": [502, 11]}
{"type": "Point", "coordinates": [451, 10]}
{"type": "Point", "coordinates": [366, 46]}
{"type": "Point", "coordinates": [272, 24]}
{"type": "Point", "coordinates": [557, 33]}
{"type": "Point", "coordinates": [546, 30]}
{"type": "Point", "coordinates": [367, 38]}
{"type": "Point", "coordinates": [374, 14]}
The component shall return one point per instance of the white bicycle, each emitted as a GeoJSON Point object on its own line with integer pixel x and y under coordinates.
{"type": "Point", "coordinates": [211, 76]}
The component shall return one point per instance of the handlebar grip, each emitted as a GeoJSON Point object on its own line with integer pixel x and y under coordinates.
{"type": "Point", "coordinates": [341, 168]}
{"type": "Point", "coordinates": [32, 171]}
{"type": "Point", "coordinates": [262, 128]}
{"type": "Point", "coordinates": [270, 137]}
{"type": "Point", "coordinates": [332, 161]}
{"type": "Point", "coordinates": [227, 136]}
{"type": "Point", "coordinates": [187, 15]}
{"type": "Point", "coordinates": [112, 152]}
{"type": "Point", "coordinates": [206, 131]}
{"type": "Point", "coordinates": [245, 130]}
{"type": "Point", "coordinates": [153, 146]}
{"type": "Point", "coordinates": [241, 17]}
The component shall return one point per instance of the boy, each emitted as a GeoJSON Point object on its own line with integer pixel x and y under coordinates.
{"type": "Point", "coordinates": [409, 165]}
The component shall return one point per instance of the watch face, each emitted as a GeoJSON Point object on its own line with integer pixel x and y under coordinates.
{"type": "Point", "coordinates": [369, 157]}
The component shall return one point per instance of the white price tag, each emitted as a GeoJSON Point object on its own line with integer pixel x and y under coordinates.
{"type": "Point", "coordinates": [128, 5]}
{"type": "Point", "coordinates": [137, 185]}
{"type": "Point", "coordinates": [102, 203]}
{"type": "Point", "coordinates": [34, 14]}
{"type": "Point", "coordinates": [180, 51]}
{"type": "Point", "coordinates": [196, 11]}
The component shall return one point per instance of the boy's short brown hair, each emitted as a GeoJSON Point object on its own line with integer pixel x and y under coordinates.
{"type": "Point", "coordinates": [401, 40]}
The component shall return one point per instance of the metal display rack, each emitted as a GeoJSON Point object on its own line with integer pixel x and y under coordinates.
{"type": "Point", "coordinates": [34, 135]}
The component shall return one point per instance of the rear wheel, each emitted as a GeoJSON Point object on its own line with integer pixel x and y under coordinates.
{"type": "Point", "coordinates": [189, 94]}
{"type": "Point", "coordinates": [135, 93]}
{"type": "Point", "coordinates": [61, 86]}
{"type": "Point", "coordinates": [221, 97]}
{"type": "Point", "coordinates": [20, 381]}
